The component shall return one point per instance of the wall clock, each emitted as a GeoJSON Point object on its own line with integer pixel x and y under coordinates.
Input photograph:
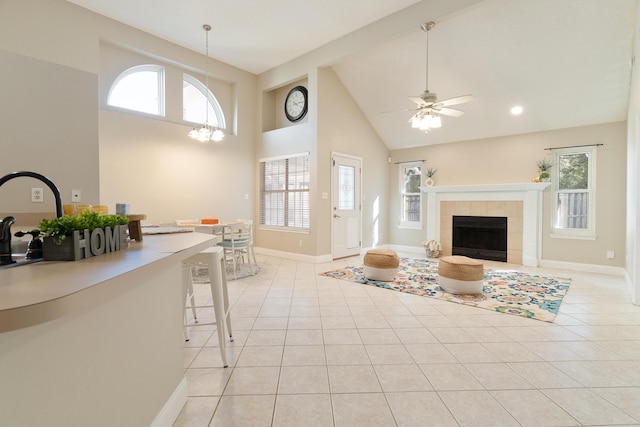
{"type": "Point", "coordinates": [296, 104]}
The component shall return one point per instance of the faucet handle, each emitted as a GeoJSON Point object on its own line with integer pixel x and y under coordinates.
{"type": "Point", "coordinates": [34, 233]}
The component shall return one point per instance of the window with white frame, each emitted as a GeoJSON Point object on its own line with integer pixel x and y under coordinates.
{"type": "Point", "coordinates": [411, 208]}
{"type": "Point", "coordinates": [574, 192]}
{"type": "Point", "coordinates": [284, 192]}
{"type": "Point", "coordinates": [139, 88]}
{"type": "Point", "coordinates": [195, 96]}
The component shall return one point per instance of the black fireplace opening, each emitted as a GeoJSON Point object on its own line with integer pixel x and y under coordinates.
{"type": "Point", "coordinates": [482, 237]}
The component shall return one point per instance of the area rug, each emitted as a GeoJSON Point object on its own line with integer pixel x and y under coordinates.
{"type": "Point", "coordinates": [505, 291]}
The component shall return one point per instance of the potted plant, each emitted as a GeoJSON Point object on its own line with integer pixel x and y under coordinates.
{"type": "Point", "coordinates": [430, 173]}
{"type": "Point", "coordinates": [69, 238]}
{"type": "Point", "coordinates": [544, 166]}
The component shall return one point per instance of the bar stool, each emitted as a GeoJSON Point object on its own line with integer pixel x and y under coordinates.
{"type": "Point", "coordinates": [211, 258]}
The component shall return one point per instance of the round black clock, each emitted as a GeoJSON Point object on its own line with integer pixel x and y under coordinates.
{"type": "Point", "coordinates": [296, 104]}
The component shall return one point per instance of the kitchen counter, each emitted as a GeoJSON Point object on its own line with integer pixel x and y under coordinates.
{"type": "Point", "coordinates": [96, 341]}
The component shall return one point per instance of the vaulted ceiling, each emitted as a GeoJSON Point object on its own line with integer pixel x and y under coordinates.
{"type": "Point", "coordinates": [566, 62]}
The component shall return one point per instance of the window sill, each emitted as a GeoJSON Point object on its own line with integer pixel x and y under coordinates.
{"type": "Point", "coordinates": [573, 236]}
{"type": "Point", "coordinates": [284, 229]}
{"type": "Point", "coordinates": [417, 226]}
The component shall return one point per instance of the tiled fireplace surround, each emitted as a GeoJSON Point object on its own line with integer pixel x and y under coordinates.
{"type": "Point", "coordinates": [520, 203]}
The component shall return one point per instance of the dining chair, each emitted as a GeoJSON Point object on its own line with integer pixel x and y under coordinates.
{"type": "Point", "coordinates": [250, 246]}
{"type": "Point", "coordinates": [237, 242]}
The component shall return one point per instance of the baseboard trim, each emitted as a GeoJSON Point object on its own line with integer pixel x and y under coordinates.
{"type": "Point", "coordinates": [583, 268]}
{"type": "Point", "coordinates": [546, 263]}
{"type": "Point", "coordinates": [294, 256]}
{"type": "Point", "coordinates": [401, 248]}
{"type": "Point", "coordinates": [172, 407]}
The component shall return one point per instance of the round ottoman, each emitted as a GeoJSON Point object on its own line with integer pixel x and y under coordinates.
{"type": "Point", "coordinates": [460, 275]}
{"type": "Point", "coordinates": [381, 264]}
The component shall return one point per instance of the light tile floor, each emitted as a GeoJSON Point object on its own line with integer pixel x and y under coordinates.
{"type": "Point", "coordinates": [315, 351]}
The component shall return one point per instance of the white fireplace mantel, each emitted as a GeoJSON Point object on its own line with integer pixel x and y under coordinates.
{"type": "Point", "coordinates": [530, 193]}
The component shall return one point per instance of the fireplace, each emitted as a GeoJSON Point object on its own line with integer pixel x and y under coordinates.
{"type": "Point", "coordinates": [482, 237]}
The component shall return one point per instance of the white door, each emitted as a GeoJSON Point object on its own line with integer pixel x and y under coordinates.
{"type": "Point", "coordinates": [346, 205]}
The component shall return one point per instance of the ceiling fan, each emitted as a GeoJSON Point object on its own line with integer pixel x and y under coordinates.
{"type": "Point", "coordinates": [427, 114]}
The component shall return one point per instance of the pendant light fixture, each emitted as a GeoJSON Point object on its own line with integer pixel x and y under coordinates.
{"type": "Point", "coordinates": [207, 133]}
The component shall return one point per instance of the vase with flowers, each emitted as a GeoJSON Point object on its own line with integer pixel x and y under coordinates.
{"type": "Point", "coordinates": [430, 173]}
{"type": "Point", "coordinates": [544, 166]}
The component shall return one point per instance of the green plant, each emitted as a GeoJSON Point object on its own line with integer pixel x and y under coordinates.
{"type": "Point", "coordinates": [64, 226]}
{"type": "Point", "coordinates": [430, 172]}
{"type": "Point", "coordinates": [544, 165]}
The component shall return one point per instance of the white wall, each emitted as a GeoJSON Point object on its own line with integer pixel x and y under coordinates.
{"type": "Point", "coordinates": [633, 177]}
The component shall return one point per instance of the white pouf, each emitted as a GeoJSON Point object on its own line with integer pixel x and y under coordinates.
{"type": "Point", "coordinates": [381, 264]}
{"type": "Point", "coordinates": [460, 275]}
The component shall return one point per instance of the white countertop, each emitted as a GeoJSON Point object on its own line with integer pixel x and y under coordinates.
{"type": "Point", "coordinates": [46, 290]}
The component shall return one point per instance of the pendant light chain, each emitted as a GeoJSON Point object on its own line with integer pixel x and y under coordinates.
{"type": "Point", "coordinates": [427, 62]}
{"type": "Point", "coordinates": [207, 133]}
{"type": "Point", "coordinates": [207, 28]}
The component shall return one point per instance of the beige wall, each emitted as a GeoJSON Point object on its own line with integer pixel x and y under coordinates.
{"type": "Point", "coordinates": [51, 129]}
{"type": "Point", "coordinates": [512, 159]}
{"type": "Point", "coordinates": [343, 128]}
{"type": "Point", "coordinates": [147, 162]}
{"type": "Point", "coordinates": [334, 123]}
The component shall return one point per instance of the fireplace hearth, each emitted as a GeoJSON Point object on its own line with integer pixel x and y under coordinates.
{"type": "Point", "coordinates": [481, 237]}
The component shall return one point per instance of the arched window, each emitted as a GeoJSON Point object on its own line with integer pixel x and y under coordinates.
{"type": "Point", "coordinates": [195, 96]}
{"type": "Point", "coordinates": [139, 88]}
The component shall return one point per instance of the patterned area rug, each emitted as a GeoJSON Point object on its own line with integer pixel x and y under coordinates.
{"type": "Point", "coordinates": [505, 291]}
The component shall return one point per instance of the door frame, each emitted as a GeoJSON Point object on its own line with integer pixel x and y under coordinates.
{"type": "Point", "coordinates": [334, 202]}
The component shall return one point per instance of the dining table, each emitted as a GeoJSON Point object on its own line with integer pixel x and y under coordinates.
{"type": "Point", "coordinates": [215, 229]}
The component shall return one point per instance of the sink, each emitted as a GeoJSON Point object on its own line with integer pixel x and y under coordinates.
{"type": "Point", "coordinates": [20, 259]}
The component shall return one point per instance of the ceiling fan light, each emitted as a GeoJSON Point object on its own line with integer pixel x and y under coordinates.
{"type": "Point", "coordinates": [425, 123]}
{"type": "Point", "coordinates": [415, 122]}
{"type": "Point", "coordinates": [436, 122]}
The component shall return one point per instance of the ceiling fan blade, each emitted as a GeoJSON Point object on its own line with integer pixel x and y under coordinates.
{"type": "Point", "coordinates": [421, 102]}
{"type": "Point", "coordinates": [402, 111]}
{"type": "Point", "coordinates": [449, 112]}
{"type": "Point", "coordinates": [455, 101]}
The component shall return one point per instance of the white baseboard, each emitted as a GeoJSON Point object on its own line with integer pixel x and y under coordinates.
{"type": "Point", "coordinates": [583, 268]}
{"type": "Point", "coordinates": [172, 407]}
{"type": "Point", "coordinates": [546, 263]}
{"type": "Point", "coordinates": [294, 256]}
{"type": "Point", "coordinates": [401, 248]}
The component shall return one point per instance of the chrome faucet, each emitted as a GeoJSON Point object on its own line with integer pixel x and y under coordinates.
{"type": "Point", "coordinates": [5, 224]}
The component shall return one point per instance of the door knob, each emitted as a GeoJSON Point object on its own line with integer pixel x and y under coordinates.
{"type": "Point", "coordinates": [336, 216]}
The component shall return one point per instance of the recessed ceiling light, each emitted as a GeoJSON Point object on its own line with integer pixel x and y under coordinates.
{"type": "Point", "coordinates": [516, 111]}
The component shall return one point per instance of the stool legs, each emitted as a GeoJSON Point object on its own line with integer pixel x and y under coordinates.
{"type": "Point", "coordinates": [218, 284]}
{"type": "Point", "coordinates": [187, 278]}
